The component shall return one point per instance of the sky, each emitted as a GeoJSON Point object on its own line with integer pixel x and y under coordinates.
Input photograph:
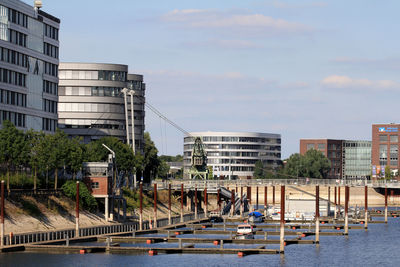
{"type": "Point", "coordinates": [302, 69]}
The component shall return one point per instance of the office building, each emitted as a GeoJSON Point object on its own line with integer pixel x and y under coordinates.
{"type": "Point", "coordinates": [92, 102]}
{"type": "Point", "coordinates": [234, 154]}
{"type": "Point", "coordinates": [28, 66]}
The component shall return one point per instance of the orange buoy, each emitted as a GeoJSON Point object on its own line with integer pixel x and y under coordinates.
{"type": "Point", "coordinates": [152, 252]}
{"type": "Point", "coordinates": [337, 228]}
{"type": "Point", "coordinates": [203, 226]}
{"type": "Point", "coordinates": [395, 216]}
{"type": "Point", "coordinates": [294, 227]}
{"type": "Point", "coordinates": [284, 243]}
{"type": "Point", "coordinates": [362, 222]}
{"type": "Point", "coordinates": [322, 222]}
{"type": "Point", "coordinates": [82, 251]}
{"type": "Point", "coordinates": [149, 241]}
{"type": "Point", "coordinates": [240, 254]}
{"type": "Point", "coordinates": [216, 242]}
{"type": "Point", "coordinates": [303, 235]}
{"type": "Point", "coordinates": [176, 233]}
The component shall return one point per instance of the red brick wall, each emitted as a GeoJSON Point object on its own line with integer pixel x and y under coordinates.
{"type": "Point", "coordinates": [103, 185]}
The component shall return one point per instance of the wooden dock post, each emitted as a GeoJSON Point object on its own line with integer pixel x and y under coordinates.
{"type": "Point", "coordinates": [2, 214]}
{"type": "Point", "coordinates": [346, 210]}
{"type": "Point", "coordinates": [77, 210]}
{"type": "Point", "coordinates": [232, 202]}
{"type": "Point", "coordinates": [257, 198]}
{"type": "Point", "coordinates": [219, 200]}
{"type": "Point", "coordinates": [339, 200]}
{"type": "Point", "coordinates": [386, 205]}
{"type": "Point", "coordinates": [366, 208]}
{"type": "Point", "coordinates": [282, 234]}
{"type": "Point", "coordinates": [317, 214]}
{"type": "Point", "coordinates": [273, 195]}
{"type": "Point", "coordinates": [182, 202]}
{"type": "Point", "coordinates": [141, 206]}
{"type": "Point", "coordinates": [265, 201]}
{"type": "Point", "coordinates": [329, 201]}
{"type": "Point", "coordinates": [195, 203]}
{"type": "Point", "coordinates": [241, 201]}
{"type": "Point", "coordinates": [169, 204]}
{"type": "Point", "coordinates": [205, 202]}
{"type": "Point", "coordinates": [335, 203]}
{"type": "Point", "coordinates": [249, 197]}
{"type": "Point", "coordinates": [155, 206]}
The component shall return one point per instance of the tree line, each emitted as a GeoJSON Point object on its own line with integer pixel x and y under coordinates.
{"type": "Point", "coordinates": [42, 156]}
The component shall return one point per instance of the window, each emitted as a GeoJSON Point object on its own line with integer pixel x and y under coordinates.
{"type": "Point", "coordinates": [95, 185]}
{"type": "Point", "coordinates": [383, 138]}
{"type": "Point", "coordinates": [321, 146]}
{"type": "Point", "coordinates": [310, 146]}
{"type": "Point", "coordinates": [394, 139]}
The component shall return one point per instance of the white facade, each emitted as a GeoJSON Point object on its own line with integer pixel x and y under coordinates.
{"type": "Point", "coordinates": [234, 154]}
{"type": "Point", "coordinates": [28, 66]}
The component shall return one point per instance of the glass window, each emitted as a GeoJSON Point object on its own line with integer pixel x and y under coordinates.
{"type": "Point", "coordinates": [321, 146]}
{"type": "Point", "coordinates": [310, 146]}
{"type": "Point", "coordinates": [383, 138]}
{"type": "Point", "coordinates": [394, 139]}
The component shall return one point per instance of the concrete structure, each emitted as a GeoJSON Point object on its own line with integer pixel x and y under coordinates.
{"type": "Point", "coordinates": [332, 149]}
{"type": "Point", "coordinates": [28, 66]}
{"type": "Point", "coordinates": [234, 154]}
{"type": "Point", "coordinates": [385, 148]}
{"type": "Point", "coordinates": [350, 159]}
{"type": "Point", "coordinates": [91, 102]}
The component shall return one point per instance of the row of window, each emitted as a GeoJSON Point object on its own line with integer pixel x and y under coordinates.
{"type": "Point", "coordinates": [50, 87]}
{"type": "Point", "coordinates": [50, 31]}
{"type": "Point", "coordinates": [234, 139]}
{"type": "Point", "coordinates": [135, 85]}
{"type": "Point", "coordinates": [12, 98]}
{"type": "Point", "coordinates": [51, 69]}
{"type": "Point", "coordinates": [17, 38]}
{"type": "Point", "coordinates": [50, 50]}
{"type": "Point", "coordinates": [17, 17]}
{"type": "Point", "coordinates": [96, 126]}
{"type": "Point", "coordinates": [13, 57]}
{"type": "Point", "coordinates": [49, 124]}
{"type": "Point", "coordinates": [50, 106]}
{"type": "Point", "coordinates": [93, 75]}
{"type": "Point", "coordinates": [93, 122]}
{"type": "Point", "coordinates": [12, 77]}
{"type": "Point", "coordinates": [18, 119]}
{"type": "Point", "coordinates": [90, 107]}
{"type": "Point", "coordinates": [393, 138]}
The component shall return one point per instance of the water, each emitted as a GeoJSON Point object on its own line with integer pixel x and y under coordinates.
{"type": "Point", "coordinates": [377, 246]}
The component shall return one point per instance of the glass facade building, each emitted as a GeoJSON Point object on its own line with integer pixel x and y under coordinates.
{"type": "Point", "coordinates": [234, 154]}
{"type": "Point", "coordinates": [91, 101]}
{"type": "Point", "coordinates": [357, 159]}
{"type": "Point", "coordinates": [29, 49]}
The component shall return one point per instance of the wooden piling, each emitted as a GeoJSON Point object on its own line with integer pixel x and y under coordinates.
{"type": "Point", "coordinates": [257, 198]}
{"type": "Point", "coordinates": [195, 203]}
{"type": "Point", "coordinates": [339, 200]}
{"type": "Point", "coordinates": [232, 202]}
{"type": "Point", "coordinates": [77, 210]}
{"type": "Point", "coordinates": [366, 208]}
{"type": "Point", "coordinates": [169, 204]}
{"type": "Point", "coordinates": [155, 205]}
{"type": "Point", "coordinates": [2, 215]}
{"type": "Point", "coordinates": [205, 202]}
{"type": "Point", "coordinates": [329, 201]}
{"type": "Point", "coordinates": [386, 205]}
{"type": "Point", "coordinates": [317, 214]}
{"type": "Point", "coordinates": [273, 195]}
{"type": "Point", "coordinates": [282, 234]}
{"type": "Point", "coordinates": [335, 203]}
{"type": "Point", "coordinates": [219, 199]}
{"type": "Point", "coordinates": [249, 196]}
{"type": "Point", "coordinates": [346, 210]}
{"type": "Point", "coordinates": [265, 201]}
{"type": "Point", "coordinates": [241, 201]}
{"type": "Point", "coordinates": [141, 206]}
{"type": "Point", "coordinates": [181, 202]}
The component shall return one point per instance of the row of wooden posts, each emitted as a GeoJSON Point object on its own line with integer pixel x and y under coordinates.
{"type": "Point", "coordinates": [282, 203]}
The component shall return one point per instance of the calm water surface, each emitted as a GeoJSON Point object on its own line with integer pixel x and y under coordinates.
{"type": "Point", "coordinates": [379, 246]}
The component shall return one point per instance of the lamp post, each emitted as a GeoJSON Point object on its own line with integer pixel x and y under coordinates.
{"type": "Point", "coordinates": [131, 93]}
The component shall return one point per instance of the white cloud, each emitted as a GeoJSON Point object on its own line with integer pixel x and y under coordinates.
{"type": "Point", "coordinates": [215, 19]}
{"type": "Point", "coordinates": [339, 81]}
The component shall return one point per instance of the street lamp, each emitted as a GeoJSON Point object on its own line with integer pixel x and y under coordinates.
{"type": "Point", "coordinates": [131, 93]}
{"type": "Point", "coordinates": [125, 91]}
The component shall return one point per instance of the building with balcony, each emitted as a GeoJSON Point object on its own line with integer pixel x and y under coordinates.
{"type": "Point", "coordinates": [28, 66]}
{"type": "Point", "coordinates": [234, 154]}
{"type": "Point", "coordinates": [92, 102]}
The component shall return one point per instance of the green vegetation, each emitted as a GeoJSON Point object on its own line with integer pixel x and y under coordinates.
{"type": "Point", "coordinates": [313, 164]}
{"type": "Point", "coordinates": [132, 199]}
{"type": "Point", "coordinates": [85, 198]}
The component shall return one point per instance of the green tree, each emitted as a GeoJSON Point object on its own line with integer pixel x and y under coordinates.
{"type": "Point", "coordinates": [259, 172]}
{"type": "Point", "coordinates": [313, 164]}
{"type": "Point", "coordinates": [388, 173]}
{"type": "Point", "coordinates": [151, 160]}
{"type": "Point", "coordinates": [163, 170]}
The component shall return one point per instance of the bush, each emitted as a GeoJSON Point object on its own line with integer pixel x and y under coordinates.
{"type": "Point", "coordinates": [85, 198]}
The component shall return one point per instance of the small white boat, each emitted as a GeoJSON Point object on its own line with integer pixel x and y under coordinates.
{"type": "Point", "coordinates": [255, 217]}
{"type": "Point", "coordinates": [245, 231]}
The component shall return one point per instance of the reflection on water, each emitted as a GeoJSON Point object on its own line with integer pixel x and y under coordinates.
{"type": "Point", "coordinates": [377, 246]}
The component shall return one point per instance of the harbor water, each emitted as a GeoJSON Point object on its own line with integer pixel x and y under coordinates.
{"type": "Point", "coordinates": [379, 246]}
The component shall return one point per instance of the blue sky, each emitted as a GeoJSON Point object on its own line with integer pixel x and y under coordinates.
{"type": "Point", "coordinates": [303, 69]}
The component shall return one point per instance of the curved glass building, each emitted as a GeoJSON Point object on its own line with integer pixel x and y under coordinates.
{"type": "Point", "coordinates": [234, 154]}
{"type": "Point", "coordinates": [91, 101]}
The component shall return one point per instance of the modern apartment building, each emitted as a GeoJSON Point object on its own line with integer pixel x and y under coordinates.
{"type": "Point", "coordinates": [234, 154]}
{"type": "Point", "coordinates": [350, 159]}
{"type": "Point", "coordinates": [385, 148]}
{"type": "Point", "coordinates": [28, 66]}
{"type": "Point", "coordinates": [92, 102]}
